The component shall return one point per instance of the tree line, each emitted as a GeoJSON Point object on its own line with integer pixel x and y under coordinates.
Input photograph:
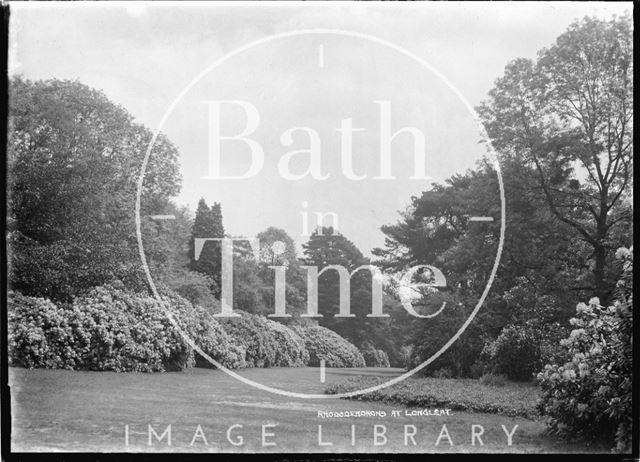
{"type": "Point", "coordinates": [561, 125]}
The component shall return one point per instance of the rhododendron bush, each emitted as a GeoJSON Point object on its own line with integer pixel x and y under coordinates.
{"type": "Point", "coordinates": [112, 329]}
{"type": "Point", "coordinates": [265, 343]}
{"type": "Point", "coordinates": [325, 345]}
{"type": "Point", "coordinates": [590, 394]}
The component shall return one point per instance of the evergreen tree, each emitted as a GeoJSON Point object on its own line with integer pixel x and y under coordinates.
{"type": "Point", "coordinates": [207, 224]}
{"type": "Point", "coordinates": [329, 248]}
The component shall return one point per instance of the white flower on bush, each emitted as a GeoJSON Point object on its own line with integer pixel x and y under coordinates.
{"type": "Point", "coordinates": [576, 333]}
{"type": "Point", "coordinates": [582, 308]}
{"type": "Point", "coordinates": [623, 253]}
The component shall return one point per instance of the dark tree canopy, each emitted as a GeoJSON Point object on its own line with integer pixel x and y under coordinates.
{"type": "Point", "coordinates": [73, 162]}
{"type": "Point", "coordinates": [569, 115]}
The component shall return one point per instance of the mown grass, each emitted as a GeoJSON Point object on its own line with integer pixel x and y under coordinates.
{"type": "Point", "coordinates": [512, 399]}
{"type": "Point", "coordinates": [59, 410]}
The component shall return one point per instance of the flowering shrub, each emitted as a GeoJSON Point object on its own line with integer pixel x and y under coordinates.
{"type": "Point", "coordinates": [206, 332]}
{"type": "Point", "coordinates": [324, 344]}
{"type": "Point", "coordinates": [112, 329]}
{"type": "Point", "coordinates": [106, 330]}
{"type": "Point", "coordinates": [520, 351]}
{"type": "Point", "coordinates": [291, 348]}
{"type": "Point", "coordinates": [265, 343]}
{"type": "Point", "coordinates": [590, 394]}
{"type": "Point", "coordinates": [128, 332]}
{"type": "Point", "coordinates": [39, 334]}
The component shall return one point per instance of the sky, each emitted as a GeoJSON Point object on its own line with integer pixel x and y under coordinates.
{"type": "Point", "coordinates": [429, 62]}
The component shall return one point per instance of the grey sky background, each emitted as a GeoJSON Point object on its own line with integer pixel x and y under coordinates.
{"type": "Point", "coordinates": [142, 55]}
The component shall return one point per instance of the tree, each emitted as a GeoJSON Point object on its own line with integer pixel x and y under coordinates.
{"type": "Point", "coordinates": [207, 224]}
{"type": "Point", "coordinates": [73, 160]}
{"type": "Point", "coordinates": [274, 254]}
{"type": "Point", "coordinates": [569, 115]}
{"type": "Point", "coordinates": [329, 248]}
{"type": "Point", "coordinates": [539, 261]}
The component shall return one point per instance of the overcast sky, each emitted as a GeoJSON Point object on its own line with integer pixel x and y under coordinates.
{"type": "Point", "coordinates": [143, 55]}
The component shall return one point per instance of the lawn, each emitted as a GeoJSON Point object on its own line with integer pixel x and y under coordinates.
{"type": "Point", "coordinates": [58, 410]}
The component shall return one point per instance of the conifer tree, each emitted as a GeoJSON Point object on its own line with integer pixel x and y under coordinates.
{"type": "Point", "coordinates": [207, 224]}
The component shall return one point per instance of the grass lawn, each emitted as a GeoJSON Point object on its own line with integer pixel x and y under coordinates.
{"type": "Point", "coordinates": [57, 410]}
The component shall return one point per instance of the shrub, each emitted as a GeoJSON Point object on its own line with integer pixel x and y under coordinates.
{"type": "Point", "coordinates": [206, 332]}
{"type": "Point", "coordinates": [374, 357]}
{"type": "Point", "coordinates": [266, 343]}
{"type": "Point", "coordinates": [521, 350]}
{"type": "Point", "coordinates": [494, 380]}
{"type": "Point", "coordinates": [590, 394]}
{"type": "Point", "coordinates": [113, 329]}
{"type": "Point", "coordinates": [195, 287]}
{"type": "Point", "coordinates": [106, 330]}
{"type": "Point", "coordinates": [291, 351]}
{"type": "Point", "coordinates": [39, 334]}
{"type": "Point", "coordinates": [442, 373]}
{"type": "Point", "coordinates": [324, 344]}
{"type": "Point", "coordinates": [405, 355]}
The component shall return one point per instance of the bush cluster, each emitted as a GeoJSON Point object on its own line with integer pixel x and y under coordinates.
{"type": "Point", "coordinates": [105, 330]}
{"type": "Point", "coordinates": [324, 344]}
{"type": "Point", "coordinates": [266, 343]}
{"type": "Point", "coordinates": [520, 351]}
{"type": "Point", "coordinates": [374, 357]}
{"type": "Point", "coordinates": [205, 331]}
{"type": "Point", "coordinates": [112, 329]}
{"type": "Point", "coordinates": [590, 394]}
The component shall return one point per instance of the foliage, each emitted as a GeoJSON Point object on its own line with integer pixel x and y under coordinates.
{"type": "Point", "coordinates": [568, 115]}
{"type": "Point", "coordinates": [324, 344]}
{"type": "Point", "coordinates": [520, 351]}
{"type": "Point", "coordinates": [429, 335]}
{"type": "Point", "coordinates": [496, 380]}
{"type": "Point", "coordinates": [73, 158]}
{"type": "Point", "coordinates": [442, 373]}
{"type": "Point", "coordinates": [207, 225]}
{"type": "Point", "coordinates": [405, 354]}
{"type": "Point", "coordinates": [590, 394]}
{"type": "Point", "coordinates": [266, 343]}
{"type": "Point", "coordinates": [100, 331]}
{"type": "Point", "coordinates": [194, 286]}
{"type": "Point", "coordinates": [562, 128]}
{"type": "Point", "coordinates": [513, 399]}
{"type": "Point", "coordinates": [113, 329]}
{"type": "Point", "coordinates": [291, 350]}
{"type": "Point", "coordinates": [199, 325]}
{"type": "Point", "coordinates": [374, 357]}
{"type": "Point", "coordinates": [329, 247]}
{"type": "Point", "coordinates": [283, 254]}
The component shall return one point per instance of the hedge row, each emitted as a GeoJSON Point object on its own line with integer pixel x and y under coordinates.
{"type": "Point", "coordinates": [113, 329]}
{"type": "Point", "coordinates": [106, 330]}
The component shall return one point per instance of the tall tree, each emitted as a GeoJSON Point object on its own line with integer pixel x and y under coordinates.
{"type": "Point", "coordinates": [207, 224]}
{"type": "Point", "coordinates": [277, 248]}
{"type": "Point", "coordinates": [329, 248]}
{"type": "Point", "coordinates": [73, 160]}
{"type": "Point", "coordinates": [569, 115]}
